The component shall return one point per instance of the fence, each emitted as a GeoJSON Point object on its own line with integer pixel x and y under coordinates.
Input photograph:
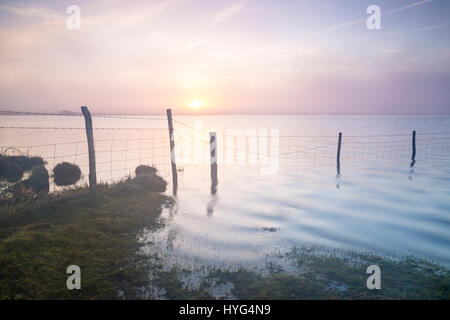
{"type": "Point", "coordinates": [117, 144]}
{"type": "Point", "coordinates": [118, 149]}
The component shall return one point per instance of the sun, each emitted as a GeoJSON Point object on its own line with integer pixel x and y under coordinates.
{"type": "Point", "coordinates": [196, 103]}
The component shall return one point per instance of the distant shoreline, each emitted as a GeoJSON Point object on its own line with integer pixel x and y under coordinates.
{"type": "Point", "coordinates": [70, 113]}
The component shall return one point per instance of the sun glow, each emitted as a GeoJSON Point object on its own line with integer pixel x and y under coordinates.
{"type": "Point", "coordinates": [196, 103]}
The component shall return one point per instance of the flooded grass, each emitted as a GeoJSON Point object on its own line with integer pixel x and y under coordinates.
{"type": "Point", "coordinates": [317, 274]}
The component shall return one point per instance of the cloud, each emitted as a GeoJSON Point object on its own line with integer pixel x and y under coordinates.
{"type": "Point", "coordinates": [195, 45]}
{"type": "Point", "coordinates": [98, 14]}
{"type": "Point", "coordinates": [415, 4]}
{"type": "Point", "coordinates": [346, 24]}
{"type": "Point", "coordinates": [428, 28]}
{"type": "Point", "coordinates": [228, 12]}
{"type": "Point", "coordinates": [114, 16]}
{"type": "Point", "coordinates": [32, 11]}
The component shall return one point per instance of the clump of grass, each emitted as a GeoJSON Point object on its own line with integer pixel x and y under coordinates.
{"type": "Point", "coordinates": [144, 169]}
{"type": "Point", "coordinates": [65, 174]}
{"type": "Point", "coordinates": [13, 167]}
{"type": "Point", "coordinates": [10, 170]}
{"type": "Point", "coordinates": [27, 163]}
{"type": "Point", "coordinates": [151, 182]}
{"type": "Point", "coordinates": [38, 179]}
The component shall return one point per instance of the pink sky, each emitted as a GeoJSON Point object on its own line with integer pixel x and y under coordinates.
{"type": "Point", "coordinates": [234, 56]}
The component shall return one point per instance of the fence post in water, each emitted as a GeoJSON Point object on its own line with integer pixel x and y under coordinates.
{"type": "Point", "coordinates": [338, 157]}
{"type": "Point", "coordinates": [413, 156]}
{"type": "Point", "coordinates": [213, 150]}
{"type": "Point", "coordinates": [172, 152]}
{"type": "Point", "coordinates": [90, 141]}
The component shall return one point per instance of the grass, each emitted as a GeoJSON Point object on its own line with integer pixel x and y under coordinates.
{"type": "Point", "coordinates": [40, 238]}
{"type": "Point", "coordinates": [319, 274]}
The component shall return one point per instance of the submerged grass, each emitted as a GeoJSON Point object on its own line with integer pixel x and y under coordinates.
{"type": "Point", "coordinates": [329, 275]}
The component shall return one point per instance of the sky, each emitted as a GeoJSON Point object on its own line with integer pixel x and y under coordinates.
{"type": "Point", "coordinates": [226, 57]}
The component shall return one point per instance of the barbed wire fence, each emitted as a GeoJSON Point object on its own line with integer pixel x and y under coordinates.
{"type": "Point", "coordinates": [322, 149]}
{"type": "Point", "coordinates": [124, 142]}
{"type": "Point", "coordinates": [119, 149]}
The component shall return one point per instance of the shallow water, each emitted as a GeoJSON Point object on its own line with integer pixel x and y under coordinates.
{"type": "Point", "coordinates": [377, 201]}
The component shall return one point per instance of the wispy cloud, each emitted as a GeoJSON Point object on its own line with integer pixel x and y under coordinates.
{"type": "Point", "coordinates": [415, 4]}
{"type": "Point", "coordinates": [195, 45]}
{"type": "Point", "coordinates": [134, 15]}
{"type": "Point", "coordinates": [32, 11]}
{"type": "Point", "coordinates": [350, 23]}
{"type": "Point", "coordinates": [112, 17]}
{"type": "Point", "coordinates": [228, 12]}
{"type": "Point", "coordinates": [428, 28]}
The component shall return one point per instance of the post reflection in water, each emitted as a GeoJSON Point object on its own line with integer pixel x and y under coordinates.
{"type": "Point", "coordinates": [213, 154]}
{"type": "Point", "coordinates": [214, 181]}
{"type": "Point", "coordinates": [338, 160]}
{"type": "Point", "coordinates": [211, 205]}
{"type": "Point", "coordinates": [413, 156]}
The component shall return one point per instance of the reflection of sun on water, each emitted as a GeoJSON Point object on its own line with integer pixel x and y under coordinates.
{"type": "Point", "coordinates": [196, 103]}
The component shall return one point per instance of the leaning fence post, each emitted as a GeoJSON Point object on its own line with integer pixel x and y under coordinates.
{"type": "Point", "coordinates": [338, 157]}
{"type": "Point", "coordinates": [90, 141]}
{"type": "Point", "coordinates": [213, 150]}
{"type": "Point", "coordinates": [413, 156]}
{"type": "Point", "coordinates": [172, 152]}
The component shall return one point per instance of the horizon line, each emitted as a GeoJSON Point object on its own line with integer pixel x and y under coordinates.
{"type": "Point", "coordinates": [61, 113]}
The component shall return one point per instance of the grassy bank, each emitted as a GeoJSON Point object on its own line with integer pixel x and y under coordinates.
{"type": "Point", "coordinates": [41, 237]}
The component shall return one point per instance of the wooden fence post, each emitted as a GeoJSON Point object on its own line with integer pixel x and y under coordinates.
{"type": "Point", "coordinates": [172, 152]}
{"type": "Point", "coordinates": [213, 150]}
{"type": "Point", "coordinates": [338, 157]}
{"type": "Point", "coordinates": [91, 149]}
{"type": "Point", "coordinates": [413, 156]}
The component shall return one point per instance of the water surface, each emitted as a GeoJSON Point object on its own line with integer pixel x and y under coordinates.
{"type": "Point", "coordinates": [379, 201]}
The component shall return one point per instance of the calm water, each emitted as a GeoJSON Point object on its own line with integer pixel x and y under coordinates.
{"type": "Point", "coordinates": [377, 202]}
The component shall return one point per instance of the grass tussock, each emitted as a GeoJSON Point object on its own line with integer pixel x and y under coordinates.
{"type": "Point", "coordinates": [13, 167]}
{"type": "Point", "coordinates": [144, 169]}
{"type": "Point", "coordinates": [65, 174]}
